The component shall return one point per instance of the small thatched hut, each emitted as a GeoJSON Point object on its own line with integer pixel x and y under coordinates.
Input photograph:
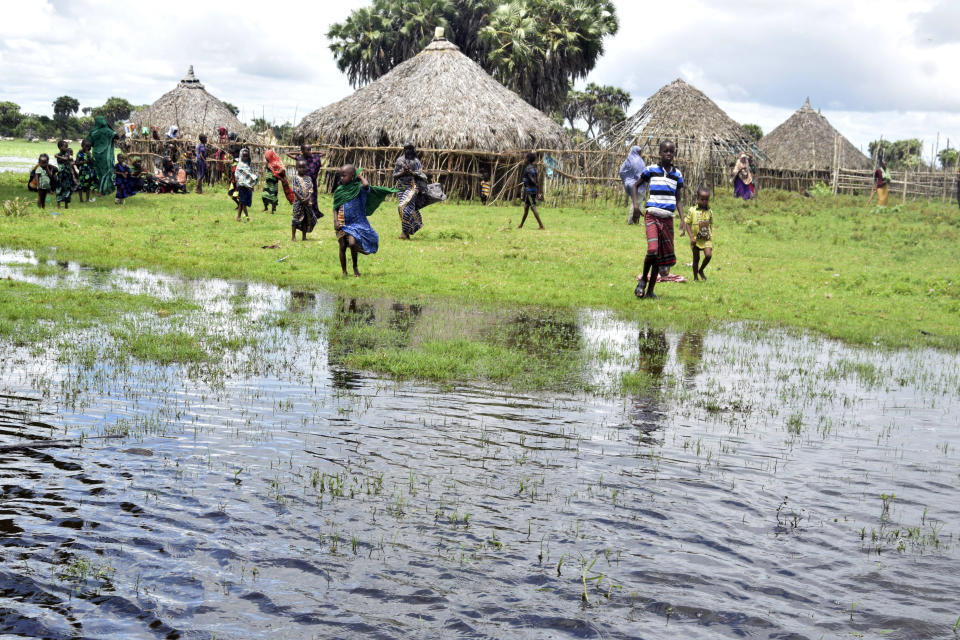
{"type": "Point", "coordinates": [442, 101]}
{"type": "Point", "coordinates": [807, 141]}
{"type": "Point", "coordinates": [192, 109]}
{"type": "Point", "coordinates": [708, 140]}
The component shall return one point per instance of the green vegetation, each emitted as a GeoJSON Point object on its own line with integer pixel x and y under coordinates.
{"type": "Point", "coordinates": [537, 48]}
{"type": "Point", "coordinates": [29, 316]}
{"type": "Point", "coordinates": [828, 264]}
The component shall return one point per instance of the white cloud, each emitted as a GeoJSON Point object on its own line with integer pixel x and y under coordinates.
{"type": "Point", "coordinates": [873, 66]}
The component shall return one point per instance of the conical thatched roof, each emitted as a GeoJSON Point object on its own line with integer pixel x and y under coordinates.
{"type": "Point", "coordinates": [806, 141]}
{"type": "Point", "coordinates": [679, 111]}
{"type": "Point", "coordinates": [192, 109]}
{"type": "Point", "coordinates": [439, 99]}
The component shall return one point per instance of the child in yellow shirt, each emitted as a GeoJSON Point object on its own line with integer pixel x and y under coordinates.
{"type": "Point", "coordinates": [699, 220]}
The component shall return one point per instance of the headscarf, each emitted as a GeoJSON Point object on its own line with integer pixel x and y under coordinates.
{"type": "Point", "coordinates": [101, 138]}
{"type": "Point", "coordinates": [172, 132]}
{"type": "Point", "coordinates": [344, 193]}
{"type": "Point", "coordinates": [632, 167]}
{"type": "Point", "coordinates": [222, 131]}
{"type": "Point", "coordinates": [742, 169]}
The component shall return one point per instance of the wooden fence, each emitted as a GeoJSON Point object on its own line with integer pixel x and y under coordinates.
{"type": "Point", "coordinates": [568, 176]}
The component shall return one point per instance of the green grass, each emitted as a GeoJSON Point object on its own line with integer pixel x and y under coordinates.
{"type": "Point", "coordinates": [32, 150]}
{"type": "Point", "coordinates": [31, 314]}
{"type": "Point", "coordinates": [830, 265]}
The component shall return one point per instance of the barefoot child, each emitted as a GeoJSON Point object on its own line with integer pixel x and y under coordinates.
{"type": "Point", "coordinates": [699, 220]}
{"type": "Point", "coordinates": [87, 171]}
{"type": "Point", "coordinates": [485, 186]}
{"type": "Point", "coordinates": [246, 180]}
{"type": "Point", "coordinates": [666, 183]}
{"type": "Point", "coordinates": [302, 187]}
{"type": "Point", "coordinates": [123, 179]}
{"type": "Point", "coordinates": [531, 190]}
{"type": "Point", "coordinates": [66, 181]}
{"type": "Point", "coordinates": [353, 200]}
{"type": "Point", "coordinates": [201, 157]}
{"type": "Point", "coordinates": [42, 179]}
{"type": "Point", "coordinates": [271, 191]}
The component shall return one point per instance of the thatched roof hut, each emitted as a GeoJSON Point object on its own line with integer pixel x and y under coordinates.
{"type": "Point", "coordinates": [707, 139]}
{"type": "Point", "coordinates": [681, 111]}
{"type": "Point", "coordinates": [192, 109]}
{"type": "Point", "coordinates": [805, 141]}
{"type": "Point", "coordinates": [439, 99]}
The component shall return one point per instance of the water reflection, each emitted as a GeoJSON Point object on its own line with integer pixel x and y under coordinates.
{"type": "Point", "coordinates": [307, 500]}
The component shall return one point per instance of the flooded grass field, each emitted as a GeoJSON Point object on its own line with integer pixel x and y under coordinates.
{"type": "Point", "coordinates": [254, 462]}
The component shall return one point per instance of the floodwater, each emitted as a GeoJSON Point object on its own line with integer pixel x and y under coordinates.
{"type": "Point", "coordinates": [16, 164]}
{"type": "Point", "coordinates": [768, 485]}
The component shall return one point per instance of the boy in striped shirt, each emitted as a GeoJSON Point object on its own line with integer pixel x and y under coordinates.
{"type": "Point", "coordinates": [666, 183]}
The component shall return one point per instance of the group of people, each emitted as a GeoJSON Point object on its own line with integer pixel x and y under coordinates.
{"type": "Point", "coordinates": [354, 199]}
{"type": "Point", "coordinates": [92, 169]}
{"type": "Point", "coordinates": [663, 183]}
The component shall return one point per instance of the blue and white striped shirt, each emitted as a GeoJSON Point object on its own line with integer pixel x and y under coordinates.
{"type": "Point", "coordinates": [662, 201]}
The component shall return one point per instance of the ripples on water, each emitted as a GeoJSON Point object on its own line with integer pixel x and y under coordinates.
{"type": "Point", "coordinates": [293, 498]}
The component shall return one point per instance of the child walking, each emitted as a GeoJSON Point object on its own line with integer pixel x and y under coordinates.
{"type": "Point", "coordinates": [531, 190]}
{"type": "Point", "coordinates": [302, 187]}
{"type": "Point", "coordinates": [201, 157]}
{"type": "Point", "coordinates": [353, 200]}
{"type": "Point", "coordinates": [699, 219]}
{"type": "Point", "coordinates": [66, 181]}
{"type": "Point", "coordinates": [122, 180]}
{"type": "Point", "coordinates": [246, 180]}
{"type": "Point", "coordinates": [666, 183]}
{"type": "Point", "coordinates": [87, 171]}
{"type": "Point", "coordinates": [271, 191]}
{"type": "Point", "coordinates": [485, 185]}
{"type": "Point", "coordinates": [42, 179]}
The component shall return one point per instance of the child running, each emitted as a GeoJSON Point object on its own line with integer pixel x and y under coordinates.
{"type": "Point", "coordinates": [66, 181]}
{"type": "Point", "coordinates": [666, 183]}
{"type": "Point", "coordinates": [353, 200]}
{"type": "Point", "coordinates": [42, 179]}
{"type": "Point", "coordinates": [531, 190]}
{"type": "Point", "coordinates": [302, 187]}
{"type": "Point", "coordinates": [246, 180]}
{"type": "Point", "coordinates": [87, 171]}
{"type": "Point", "coordinates": [123, 179]}
{"type": "Point", "coordinates": [700, 219]}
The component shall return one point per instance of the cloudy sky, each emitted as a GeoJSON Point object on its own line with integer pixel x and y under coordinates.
{"type": "Point", "coordinates": [873, 66]}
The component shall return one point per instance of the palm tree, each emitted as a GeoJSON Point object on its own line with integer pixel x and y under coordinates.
{"type": "Point", "coordinates": [535, 47]}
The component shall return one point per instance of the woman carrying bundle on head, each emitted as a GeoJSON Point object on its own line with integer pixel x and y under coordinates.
{"type": "Point", "coordinates": [743, 186]}
{"type": "Point", "coordinates": [405, 172]}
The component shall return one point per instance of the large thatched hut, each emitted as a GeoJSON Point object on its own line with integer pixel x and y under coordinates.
{"type": "Point", "coordinates": [807, 141]}
{"type": "Point", "coordinates": [461, 118]}
{"type": "Point", "coordinates": [708, 140]}
{"type": "Point", "coordinates": [192, 109]}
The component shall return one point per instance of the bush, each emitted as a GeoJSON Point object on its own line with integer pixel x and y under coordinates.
{"type": "Point", "coordinates": [15, 208]}
{"type": "Point", "coordinates": [820, 190]}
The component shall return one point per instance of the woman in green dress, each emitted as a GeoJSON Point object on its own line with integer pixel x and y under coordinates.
{"type": "Point", "coordinates": [102, 138]}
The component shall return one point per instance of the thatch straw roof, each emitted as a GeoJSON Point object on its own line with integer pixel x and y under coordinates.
{"type": "Point", "coordinates": [806, 141]}
{"type": "Point", "coordinates": [439, 99]}
{"type": "Point", "coordinates": [679, 111]}
{"type": "Point", "coordinates": [192, 109]}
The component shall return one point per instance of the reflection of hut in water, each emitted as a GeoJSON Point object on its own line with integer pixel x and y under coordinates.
{"type": "Point", "coordinates": [300, 301]}
{"type": "Point", "coordinates": [690, 353]}
{"type": "Point", "coordinates": [461, 117]}
{"type": "Point", "coordinates": [654, 350]}
{"type": "Point", "coordinates": [543, 332]}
